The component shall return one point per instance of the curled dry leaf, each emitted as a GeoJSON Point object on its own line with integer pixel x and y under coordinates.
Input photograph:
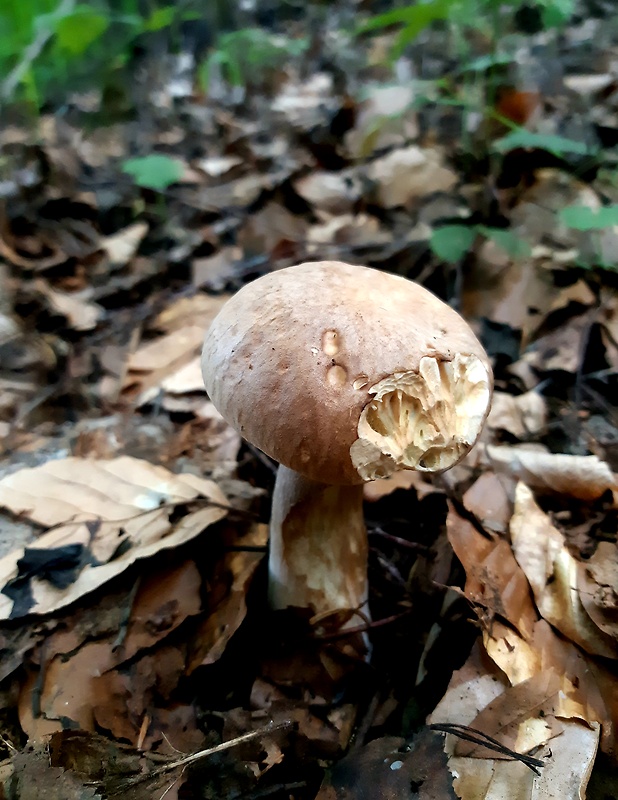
{"type": "Point", "coordinates": [334, 192]}
{"type": "Point", "coordinates": [520, 416]}
{"type": "Point", "coordinates": [112, 512]}
{"type": "Point", "coordinates": [583, 477]}
{"type": "Point", "coordinates": [489, 499]}
{"type": "Point", "coordinates": [122, 245]}
{"type": "Point", "coordinates": [494, 582]}
{"type": "Point", "coordinates": [407, 174]}
{"type": "Point", "coordinates": [541, 552]}
{"type": "Point", "coordinates": [80, 312]}
{"type": "Point", "coordinates": [597, 582]}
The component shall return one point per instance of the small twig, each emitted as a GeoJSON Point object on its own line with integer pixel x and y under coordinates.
{"type": "Point", "coordinates": [478, 737]}
{"type": "Point", "coordinates": [191, 759]}
{"type": "Point", "coordinates": [421, 548]}
{"type": "Point", "coordinates": [369, 625]}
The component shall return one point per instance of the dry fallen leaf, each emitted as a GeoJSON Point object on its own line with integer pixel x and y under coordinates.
{"type": "Point", "coordinates": [520, 416]}
{"type": "Point", "coordinates": [108, 513]}
{"type": "Point", "coordinates": [494, 582]}
{"type": "Point", "coordinates": [583, 477]}
{"type": "Point", "coordinates": [407, 174]}
{"type": "Point", "coordinates": [541, 552]}
{"type": "Point", "coordinates": [122, 245]}
{"type": "Point", "coordinates": [598, 587]}
{"type": "Point", "coordinates": [478, 686]}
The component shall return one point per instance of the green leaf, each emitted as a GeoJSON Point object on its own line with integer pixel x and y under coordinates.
{"type": "Point", "coordinates": [558, 145]}
{"type": "Point", "coordinates": [415, 18]}
{"type": "Point", "coordinates": [584, 218]}
{"type": "Point", "coordinates": [483, 63]}
{"type": "Point", "coordinates": [512, 244]}
{"type": "Point", "coordinates": [78, 30]}
{"type": "Point", "coordinates": [160, 18]}
{"type": "Point", "coordinates": [452, 242]}
{"type": "Point", "coordinates": [155, 171]}
{"type": "Point", "coordinates": [556, 13]}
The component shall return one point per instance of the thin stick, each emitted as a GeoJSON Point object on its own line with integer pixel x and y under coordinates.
{"type": "Point", "coordinates": [191, 759]}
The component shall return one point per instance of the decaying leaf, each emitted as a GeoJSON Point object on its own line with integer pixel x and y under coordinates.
{"type": "Point", "coordinates": [390, 767]}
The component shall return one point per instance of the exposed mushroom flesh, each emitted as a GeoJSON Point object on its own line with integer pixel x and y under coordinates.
{"type": "Point", "coordinates": [425, 420]}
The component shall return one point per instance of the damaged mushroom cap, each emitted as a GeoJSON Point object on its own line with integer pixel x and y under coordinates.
{"type": "Point", "coordinates": [346, 374]}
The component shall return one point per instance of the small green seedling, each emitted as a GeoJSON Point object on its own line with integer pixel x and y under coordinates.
{"type": "Point", "coordinates": [155, 171]}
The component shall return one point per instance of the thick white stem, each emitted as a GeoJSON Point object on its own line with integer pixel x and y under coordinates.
{"type": "Point", "coordinates": [318, 546]}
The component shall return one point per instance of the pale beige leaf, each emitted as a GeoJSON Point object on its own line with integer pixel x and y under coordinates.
{"type": "Point", "coordinates": [489, 500]}
{"type": "Point", "coordinates": [335, 192]}
{"type": "Point", "coordinates": [185, 380]}
{"type": "Point", "coordinates": [583, 477]}
{"type": "Point", "coordinates": [406, 174]}
{"type": "Point", "coordinates": [520, 416]}
{"type": "Point", "coordinates": [81, 313]}
{"type": "Point", "coordinates": [521, 718]}
{"type": "Point", "coordinates": [199, 310]}
{"type": "Point", "coordinates": [567, 772]}
{"type": "Point", "coordinates": [122, 245]}
{"type": "Point", "coordinates": [167, 350]}
{"type": "Point", "coordinates": [540, 550]}
{"type": "Point", "coordinates": [102, 505]}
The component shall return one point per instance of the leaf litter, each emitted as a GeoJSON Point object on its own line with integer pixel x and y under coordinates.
{"type": "Point", "coordinates": [135, 637]}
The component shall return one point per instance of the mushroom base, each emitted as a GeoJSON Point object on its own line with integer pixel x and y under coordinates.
{"type": "Point", "coordinates": [318, 547]}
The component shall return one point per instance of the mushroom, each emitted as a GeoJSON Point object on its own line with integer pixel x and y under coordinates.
{"type": "Point", "coordinates": [343, 374]}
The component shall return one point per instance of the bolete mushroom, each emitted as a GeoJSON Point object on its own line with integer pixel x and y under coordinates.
{"type": "Point", "coordinates": [343, 374]}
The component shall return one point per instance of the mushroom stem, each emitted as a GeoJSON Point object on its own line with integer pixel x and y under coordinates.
{"type": "Point", "coordinates": [318, 546]}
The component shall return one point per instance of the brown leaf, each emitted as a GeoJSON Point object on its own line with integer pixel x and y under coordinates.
{"type": "Point", "coordinates": [494, 581]}
{"type": "Point", "coordinates": [404, 175]}
{"type": "Point", "coordinates": [540, 550]}
{"type": "Point", "coordinates": [391, 769]}
{"type": "Point", "coordinates": [520, 416]}
{"type": "Point", "coordinates": [597, 582]}
{"type": "Point", "coordinates": [163, 602]}
{"type": "Point", "coordinates": [227, 601]}
{"type": "Point", "coordinates": [34, 778]}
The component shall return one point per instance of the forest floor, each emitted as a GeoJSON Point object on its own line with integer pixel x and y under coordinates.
{"type": "Point", "coordinates": [135, 635]}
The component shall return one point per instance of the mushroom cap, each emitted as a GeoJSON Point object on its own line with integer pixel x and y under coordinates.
{"type": "Point", "coordinates": [345, 373]}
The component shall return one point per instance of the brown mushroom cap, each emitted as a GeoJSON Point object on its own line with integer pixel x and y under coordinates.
{"type": "Point", "coordinates": [345, 374]}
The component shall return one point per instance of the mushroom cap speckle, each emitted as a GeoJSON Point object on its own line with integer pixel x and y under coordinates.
{"type": "Point", "coordinates": [345, 373]}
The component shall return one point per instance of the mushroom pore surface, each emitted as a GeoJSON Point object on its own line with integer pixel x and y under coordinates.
{"type": "Point", "coordinates": [346, 374]}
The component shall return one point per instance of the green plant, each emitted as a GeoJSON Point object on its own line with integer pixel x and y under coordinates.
{"type": "Point", "coordinates": [452, 242]}
{"type": "Point", "coordinates": [155, 171]}
{"type": "Point", "coordinates": [48, 47]}
{"type": "Point", "coordinates": [244, 57]}
{"type": "Point", "coordinates": [593, 221]}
